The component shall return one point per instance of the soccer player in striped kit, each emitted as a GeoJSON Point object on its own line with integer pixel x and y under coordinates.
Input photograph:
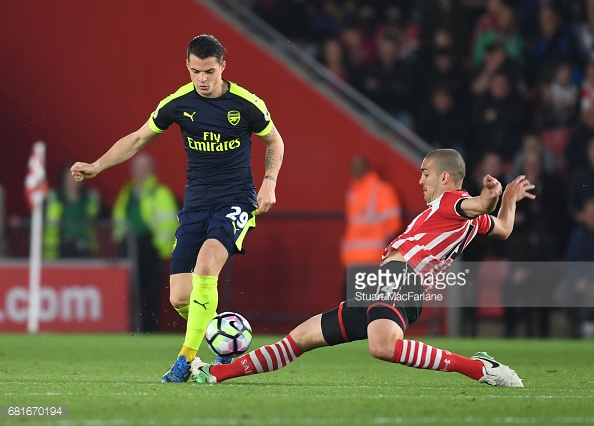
{"type": "Point", "coordinates": [428, 245]}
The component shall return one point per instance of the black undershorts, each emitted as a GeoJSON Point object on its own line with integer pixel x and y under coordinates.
{"type": "Point", "coordinates": [347, 324]}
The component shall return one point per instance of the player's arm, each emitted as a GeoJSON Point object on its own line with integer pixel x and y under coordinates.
{"type": "Point", "coordinates": [121, 151]}
{"type": "Point", "coordinates": [275, 150]}
{"type": "Point", "coordinates": [486, 202]}
{"type": "Point", "coordinates": [515, 191]}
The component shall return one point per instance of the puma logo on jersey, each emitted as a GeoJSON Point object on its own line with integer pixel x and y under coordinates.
{"type": "Point", "coordinates": [190, 116]}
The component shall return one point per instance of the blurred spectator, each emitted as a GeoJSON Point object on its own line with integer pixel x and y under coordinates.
{"type": "Point", "coordinates": [585, 29]}
{"type": "Point", "coordinates": [326, 21]}
{"type": "Point", "coordinates": [547, 215]}
{"type": "Point", "coordinates": [395, 25]}
{"type": "Point", "coordinates": [450, 14]}
{"type": "Point", "coordinates": [580, 187]}
{"type": "Point", "coordinates": [360, 50]}
{"type": "Point", "coordinates": [366, 15]}
{"type": "Point", "coordinates": [495, 60]}
{"type": "Point", "coordinates": [149, 209]}
{"type": "Point", "coordinates": [373, 215]}
{"type": "Point", "coordinates": [333, 56]}
{"type": "Point", "coordinates": [71, 211]}
{"type": "Point", "coordinates": [443, 122]}
{"type": "Point", "coordinates": [439, 65]}
{"type": "Point", "coordinates": [539, 235]}
{"type": "Point", "coordinates": [553, 43]}
{"type": "Point", "coordinates": [504, 32]}
{"type": "Point", "coordinates": [532, 144]}
{"type": "Point", "coordinates": [578, 290]}
{"type": "Point", "coordinates": [498, 120]}
{"type": "Point", "coordinates": [486, 20]}
{"type": "Point", "coordinates": [442, 38]}
{"type": "Point", "coordinates": [576, 150]}
{"type": "Point", "coordinates": [559, 98]}
{"type": "Point", "coordinates": [388, 80]}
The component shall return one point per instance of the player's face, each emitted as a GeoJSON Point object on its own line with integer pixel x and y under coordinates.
{"type": "Point", "coordinates": [429, 181]}
{"type": "Point", "coordinates": [206, 74]}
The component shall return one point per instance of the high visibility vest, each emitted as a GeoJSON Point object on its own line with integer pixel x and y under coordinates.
{"type": "Point", "coordinates": [373, 215]}
{"type": "Point", "coordinates": [158, 209]}
{"type": "Point", "coordinates": [54, 209]}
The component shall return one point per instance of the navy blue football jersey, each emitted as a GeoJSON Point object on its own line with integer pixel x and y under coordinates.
{"type": "Point", "coordinates": [217, 139]}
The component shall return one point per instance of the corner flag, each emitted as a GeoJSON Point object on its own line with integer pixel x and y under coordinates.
{"type": "Point", "coordinates": [35, 190]}
{"type": "Point", "coordinates": [35, 182]}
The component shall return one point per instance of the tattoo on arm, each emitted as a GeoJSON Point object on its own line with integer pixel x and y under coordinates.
{"type": "Point", "coordinates": [269, 157]}
{"type": "Point", "coordinates": [272, 133]}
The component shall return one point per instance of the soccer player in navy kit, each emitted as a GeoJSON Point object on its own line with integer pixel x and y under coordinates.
{"type": "Point", "coordinates": [427, 246]}
{"type": "Point", "coordinates": [216, 118]}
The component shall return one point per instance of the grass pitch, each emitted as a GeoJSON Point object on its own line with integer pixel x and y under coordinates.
{"type": "Point", "coordinates": [114, 380]}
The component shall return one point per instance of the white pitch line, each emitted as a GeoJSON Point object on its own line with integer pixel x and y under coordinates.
{"type": "Point", "coordinates": [542, 396]}
{"type": "Point", "coordinates": [321, 421]}
{"type": "Point", "coordinates": [390, 396]}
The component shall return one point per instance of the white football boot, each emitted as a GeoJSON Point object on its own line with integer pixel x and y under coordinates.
{"type": "Point", "coordinates": [497, 374]}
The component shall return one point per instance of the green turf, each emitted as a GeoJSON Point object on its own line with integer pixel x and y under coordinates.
{"type": "Point", "coordinates": [114, 380]}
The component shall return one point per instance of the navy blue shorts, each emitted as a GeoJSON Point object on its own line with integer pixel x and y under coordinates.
{"type": "Point", "coordinates": [227, 223]}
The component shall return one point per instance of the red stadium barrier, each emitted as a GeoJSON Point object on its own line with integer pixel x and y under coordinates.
{"type": "Point", "coordinates": [75, 297]}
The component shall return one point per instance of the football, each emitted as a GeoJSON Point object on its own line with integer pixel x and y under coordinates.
{"type": "Point", "coordinates": [229, 334]}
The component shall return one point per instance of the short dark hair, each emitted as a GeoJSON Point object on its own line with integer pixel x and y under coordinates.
{"type": "Point", "coordinates": [449, 160]}
{"type": "Point", "coordinates": [204, 46]}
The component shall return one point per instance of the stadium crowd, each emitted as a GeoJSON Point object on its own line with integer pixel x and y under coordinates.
{"type": "Point", "coordinates": [507, 83]}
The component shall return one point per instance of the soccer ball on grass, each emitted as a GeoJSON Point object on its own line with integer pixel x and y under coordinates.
{"type": "Point", "coordinates": [229, 334]}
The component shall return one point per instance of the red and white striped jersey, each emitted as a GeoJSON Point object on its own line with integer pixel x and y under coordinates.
{"type": "Point", "coordinates": [439, 234]}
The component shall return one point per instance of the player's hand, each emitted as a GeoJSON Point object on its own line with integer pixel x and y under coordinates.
{"type": "Point", "coordinates": [81, 171]}
{"type": "Point", "coordinates": [493, 186]}
{"type": "Point", "coordinates": [266, 197]}
{"type": "Point", "coordinates": [518, 189]}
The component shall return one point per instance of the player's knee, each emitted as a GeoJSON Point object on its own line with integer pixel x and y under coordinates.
{"type": "Point", "coordinates": [205, 270]}
{"type": "Point", "coordinates": [180, 288]}
{"type": "Point", "coordinates": [178, 301]}
{"type": "Point", "coordinates": [382, 335]}
{"type": "Point", "coordinates": [381, 349]}
{"type": "Point", "coordinates": [208, 266]}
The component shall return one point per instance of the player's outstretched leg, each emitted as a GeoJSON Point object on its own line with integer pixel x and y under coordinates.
{"type": "Point", "coordinates": [262, 360]}
{"type": "Point", "coordinates": [303, 338]}
{"type": "Point", "coordinates": [480, 367]}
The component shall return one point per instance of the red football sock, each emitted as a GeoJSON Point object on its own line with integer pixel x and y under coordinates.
{"type": "Point", "coordinates": [262, 360]}
{"type": "Point", "coordinates": [419, 355]}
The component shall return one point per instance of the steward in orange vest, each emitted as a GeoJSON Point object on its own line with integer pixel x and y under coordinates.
{"type": "Point", "coordinates": [373, 216]}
